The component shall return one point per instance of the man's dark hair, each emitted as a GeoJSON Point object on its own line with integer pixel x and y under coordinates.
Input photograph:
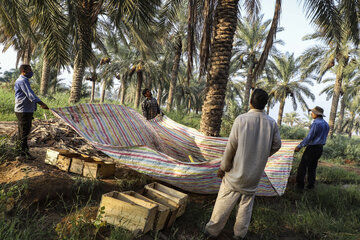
{"type": "Point", "coordinates": [24, 67]}
{"type": "Point", "coordinates": [144, 91]}
{"type": "Point", "coordinates": [259, 99]}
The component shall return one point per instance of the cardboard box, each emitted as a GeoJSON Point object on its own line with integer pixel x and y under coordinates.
{"type": "Point", "coordinates": [128, 212]}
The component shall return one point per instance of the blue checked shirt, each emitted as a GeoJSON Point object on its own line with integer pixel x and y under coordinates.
{"type": "Point", "coordinates": [25, 98]}
{"type": "Point", "coordinates": [317, 135]}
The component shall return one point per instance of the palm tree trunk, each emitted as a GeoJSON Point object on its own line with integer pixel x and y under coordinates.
{"type": "Point", "coordinates": [217, 78]}
{"type": "Point", "coordinates": [341, 115]}
{"type": "Point", "coordinates": [103, 90]}
{"type": "Point", "coordinates": [44, 77]}
{"type": "Point", "coordinates": [148, 80]}
{"type": "Point", "coordinates": [190, 39]}
{"type": "Point", "coordinates": [27, 52]}
{"type": "Point", "coordinates": [79, 70]}
{"type": "Point", "coordinates": [351, 124]}
{"type": "Point", "coordinates": [174, 73]}
{"type": "Point", "coordinates": [269, 41]}
{"type": "Point", "coordinates": [249, 80]}
{"type": "Point", "coordinates": [189, 105]}
{"type": "Point", "coordinates": [92, 96]}
{"type": "Point", "coordinates": [206, 36]}
{"type": "Point", "coordinates": [268, 107]}
{"type": "Point", "coordinates": [123, 89]}
{"type": "Point", "coordinates": [87, 12]}
{"type": "Point", "coordinates": [159, 95]}
{"type": "Point", "coordinates": [335, 99]}
{"type": "Point", "coordinates": [281, 111]}
{"type": "Point", "coordinates": [138, 87]}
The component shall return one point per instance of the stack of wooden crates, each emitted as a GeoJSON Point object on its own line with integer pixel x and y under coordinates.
{"type": "Point", "coordinates": [157, 207]}
{"type": "Point", "coordinates": [81, 164]}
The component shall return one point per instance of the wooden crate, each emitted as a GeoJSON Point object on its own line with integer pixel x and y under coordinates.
{"type": "Point", "coordinates": [63, 163]}
{"type": "Point", "coordinates": [52, 155]}
{"type": "Point", "coordinates": [155, 196]}
{"type": "Point", "coordinates": [98, 169]}
{"type": "Point", "coordinates": [162, 212]}
{"type": "Point", "coordinates": [77, 164]}
{"type": "Point", "coordinates": [176, 196]}
{"type": "Point", "coordinates": [128, 212]}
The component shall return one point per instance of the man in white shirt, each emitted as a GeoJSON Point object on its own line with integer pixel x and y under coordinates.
{"type": "Point", "coordinates": [253, 138]}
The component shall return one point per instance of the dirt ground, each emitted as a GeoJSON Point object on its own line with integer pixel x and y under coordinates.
{"type": "Point", "coordinates": [46, 183]}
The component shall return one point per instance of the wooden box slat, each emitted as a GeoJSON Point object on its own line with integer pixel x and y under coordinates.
{"type": "Point", "coordinates": [98, 169]}
{"type": "Point", "coordinates": [172, 194]}
{"type": "Point", "coordinates": [52, 155]}
{"type": "Point", "coordinates": [63, 163]}
{"type": "Point", "coordinates": [154, 195]}
{"type": "Point", "coordinates": [162, 211]}
{"type": "Point", "coordinates": [128, 212]}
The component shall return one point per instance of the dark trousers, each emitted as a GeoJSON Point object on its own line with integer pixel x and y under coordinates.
{"type": "Point", "coordinates": [24, 129]}
{"type": "Point", "coordinates": [308, 164]}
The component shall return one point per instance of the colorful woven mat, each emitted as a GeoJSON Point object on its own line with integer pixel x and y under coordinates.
{"type": "Point", "coordinates": [166, 150]}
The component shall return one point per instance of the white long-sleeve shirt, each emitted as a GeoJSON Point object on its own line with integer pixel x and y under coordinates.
{"type": "Point", "coordinates": [253, 138]}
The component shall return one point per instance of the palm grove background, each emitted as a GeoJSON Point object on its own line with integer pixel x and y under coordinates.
{"type": "Point", "coordinates": [201, 58]}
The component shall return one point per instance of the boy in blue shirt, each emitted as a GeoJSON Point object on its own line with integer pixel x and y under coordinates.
{"type": "Point", "coordinates": [314, 141]}
{"type": "Point", "coordinates": [25, 106]}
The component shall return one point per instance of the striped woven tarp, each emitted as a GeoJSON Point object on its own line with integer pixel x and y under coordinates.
{"type": "Point", "coordinates": [160, 148]}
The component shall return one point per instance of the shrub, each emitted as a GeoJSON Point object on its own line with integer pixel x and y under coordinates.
{"type": "Point", "coordinates": [340, 147]}
{"type": "Point", "coordinates": [287, 132]}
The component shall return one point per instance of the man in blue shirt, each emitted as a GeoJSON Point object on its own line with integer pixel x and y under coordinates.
{"type": "Point", "coordinates": [25, 106]}
{"type": "Point", "coordinates": [314, 141]}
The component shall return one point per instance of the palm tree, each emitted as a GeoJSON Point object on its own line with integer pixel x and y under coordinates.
{"type": "Point", "coordinates": [291, 118]}
{"type": "Point", "coordinates": [16, 29]}
{"type": "Point", "coordinates": [220, 60]}
{"type": "Point", "coordinates": [225, 26]}
{"type": "Point", "coordinates": [285, 70]}
{"type": "Point", "coordinates": [321, 59]}
{"type": "Point", "coordinates": [28, 25]}
{"type": "Point", "coordinates": [330, 15]}
{"type": "Point", "coordinates": [174, 72]}
{"type": "Point", "coordinates": [130, 16]}
{"type": "Point", "coordinates": [251, 35]}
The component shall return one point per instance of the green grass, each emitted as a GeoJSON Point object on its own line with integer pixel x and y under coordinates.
{"type": "Point", "coordinates": [330, 211]}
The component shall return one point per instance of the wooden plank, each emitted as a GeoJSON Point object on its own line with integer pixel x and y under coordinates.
{"type": "Point", "coordinates": [162, 212]}
{"type": "Point", "coordinates": [63, 163]}
{"type": "Point", "coordinates": [95, 169]}
{"type": "Point", "coordinates": [176, 196]}
{"type": "Point", "coordinates": [154, 195]}
{"type": "Point", "coordinates": [129, 212]}
{"type": "Point", "coordinates": [77, 165]}
{"type": "Point", "coordinates": [52, 155]}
